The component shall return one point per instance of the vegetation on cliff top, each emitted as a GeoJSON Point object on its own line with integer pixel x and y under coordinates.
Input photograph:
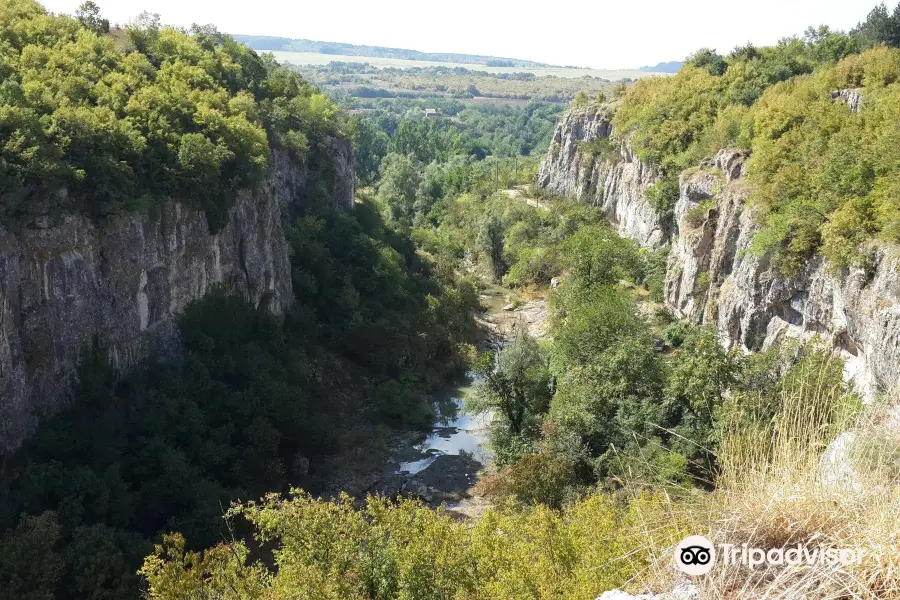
{"type": "Point", "coordinates": [825, 179]}
{"type": "Point", "coordinates": [103, 123]}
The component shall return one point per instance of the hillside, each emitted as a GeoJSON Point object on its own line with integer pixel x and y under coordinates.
{"type": "Point", "coordinates": [672, 66]}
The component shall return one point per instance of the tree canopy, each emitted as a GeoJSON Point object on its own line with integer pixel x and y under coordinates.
{"type": "Point", "coordinates": [104, 123]}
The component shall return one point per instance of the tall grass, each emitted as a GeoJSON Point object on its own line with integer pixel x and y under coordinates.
{"type": "Point", "coordinates": [776, 491]}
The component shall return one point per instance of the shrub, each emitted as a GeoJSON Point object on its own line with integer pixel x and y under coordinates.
{"type": "Point", "coordinates": [400, 402]}
{"type": "Point", "coordinates": [663, 195]}
{"type": "Point", "coordinates": [330, 550]}
{"type": "Point", "coordinates": [698, 215]}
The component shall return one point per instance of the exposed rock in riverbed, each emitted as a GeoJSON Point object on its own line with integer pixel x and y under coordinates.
{"type": "Point", "coordinates": [533, 314]}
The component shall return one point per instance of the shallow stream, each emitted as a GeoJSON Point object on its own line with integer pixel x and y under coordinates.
{"type": "Point", "coordinates": [456, 433]}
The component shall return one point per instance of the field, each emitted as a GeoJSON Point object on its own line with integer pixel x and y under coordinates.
{"type": "Point", "coordinates": [315, 59]}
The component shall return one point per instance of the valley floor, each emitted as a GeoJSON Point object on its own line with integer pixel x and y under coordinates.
{"type": "Point", "coordinates": [443, 465]}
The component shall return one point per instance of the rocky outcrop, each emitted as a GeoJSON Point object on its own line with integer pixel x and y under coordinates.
{"type": "Point", "coordinates": [712, 278]}
{"type": "Point", "coordinates": [67, 282]}
{"type": "Point", "coordinates": [852, 97]}
{"type": "Point", "coordinates": [616, 181]}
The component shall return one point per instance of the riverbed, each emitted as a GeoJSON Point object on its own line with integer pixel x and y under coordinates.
{"type": "Point", "coordinates": [442, 465]}
{"type": "Point", "coordinates": [445, 464]}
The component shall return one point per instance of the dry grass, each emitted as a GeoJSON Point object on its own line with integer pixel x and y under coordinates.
{"type": "Point", "coordinates": [776, 492]}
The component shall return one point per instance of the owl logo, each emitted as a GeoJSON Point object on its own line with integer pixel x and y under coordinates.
{"type": "Point", "coordinates": [695, 555]}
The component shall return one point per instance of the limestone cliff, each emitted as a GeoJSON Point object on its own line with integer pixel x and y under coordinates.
{"type": "Point", "coordinates": [617, 183]}
{"type": "Point", "coordinates": [66, 281]}
{"type": "Point", "coordinates": [712, 278]}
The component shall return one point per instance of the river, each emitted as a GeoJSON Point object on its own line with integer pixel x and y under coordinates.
{"type": "Point", "coordinates": [443, 464]}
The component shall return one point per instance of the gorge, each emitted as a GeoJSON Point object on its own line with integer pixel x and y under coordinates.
{"type": "Point", "coordinates": [237, 298]}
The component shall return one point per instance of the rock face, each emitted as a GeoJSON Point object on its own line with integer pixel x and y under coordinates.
{"type": "Point", "coordinates": [712, 279]}
{"type": "Point", "coordinates": [616, 183]}
{"type": "Point", "coordinates": [852, 97]}
{"type": "Point", "coordinates": [67, 282]}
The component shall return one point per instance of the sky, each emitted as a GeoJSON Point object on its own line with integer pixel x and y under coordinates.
{"type": "Point", "coordinates": [596, 33]}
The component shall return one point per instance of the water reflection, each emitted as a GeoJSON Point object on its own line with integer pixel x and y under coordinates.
{"type": "Point", "coordinates": [455, 432]}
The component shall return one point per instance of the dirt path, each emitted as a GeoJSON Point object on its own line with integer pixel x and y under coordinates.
{"type": "Point", "coordinates": [522, 193]}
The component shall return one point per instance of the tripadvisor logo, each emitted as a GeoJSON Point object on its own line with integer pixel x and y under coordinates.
{"type": "Point", "coordinates": [695, 555]}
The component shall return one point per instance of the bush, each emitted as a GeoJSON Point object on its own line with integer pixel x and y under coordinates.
{"type": "Point", "coordinates": [330, 550]}
{"type": "Point", "coordinates": [663, 195]}
{"type": "Point", "coordinates": [653, 272]}
{"type": "Point", "coordinates": [400, 402]}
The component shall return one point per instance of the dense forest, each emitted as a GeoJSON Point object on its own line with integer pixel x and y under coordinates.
{"type": "Point", "coordinates": [617, 434]}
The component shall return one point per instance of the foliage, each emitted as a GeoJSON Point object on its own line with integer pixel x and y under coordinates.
{"type": "Point", "coordinates": [846, 160]}
{"type": "Point", "coordinates": [370, 146]}
{"type": "Point", "coordinates": [822, 175]}
{"type": "Point", "coordinates": [880, 27]}
{"type": "Point", "coordinates": [663, 195]}
{"type": "Point", "coordinates": [398, 186]}
{"type": "Point", "coordinates": [426, 140]}
{"type": "Point", "coordinates": [707, 59]}
{"type": "Point", "coordinates": [699, 375]}
{"type": "Point", "coordinates": [598, 256]}
{"type": "Point", "coordinates": [30, 565]}
{"type": "Point", "coordinates": [94, 126]}
{"type": "Point", "coordinates": [674, 122]}
{"type": "Point", "coordinates": [653, 271]}
{"type": "Point", "coordinates": [88, 14]}
{"type": "Point", "coordinates": [515, 387]}
{"type": "Point", "coordinates": [164, 449]}
{"type": "Point", "coordinates": [330, 550]}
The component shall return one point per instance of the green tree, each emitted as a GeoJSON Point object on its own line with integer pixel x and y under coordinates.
{"type": "Point", "coordinates": [699, 375]}
{"type": "Point", "coordinates": [399, 185]}
{"type": "Point", "coordinates": [88, 14]}
{"type": "Point", "coordinates": [30, 563]}
{"type": "Point", "coordinates": [370, 144]}
{"type": "Point", "coordinates": [491, 244]}
{"type": "Point", "coordinates": [516, 387]}
{"type": "Point", "coordinates": [598, 256]}
{"type": "Point", "coordinates": [880, 27]}
{"type": "Point", "coordinates": [706, 58]}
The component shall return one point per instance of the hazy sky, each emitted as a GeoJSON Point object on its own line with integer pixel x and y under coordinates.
{"type": "Point", "coordinates": [598, 33]}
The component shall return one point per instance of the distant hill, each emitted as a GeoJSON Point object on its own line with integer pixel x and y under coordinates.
{"type": "Point", "coordinates": [271, 44]}
{"type": "Point", "coordinates": [664, 67]}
